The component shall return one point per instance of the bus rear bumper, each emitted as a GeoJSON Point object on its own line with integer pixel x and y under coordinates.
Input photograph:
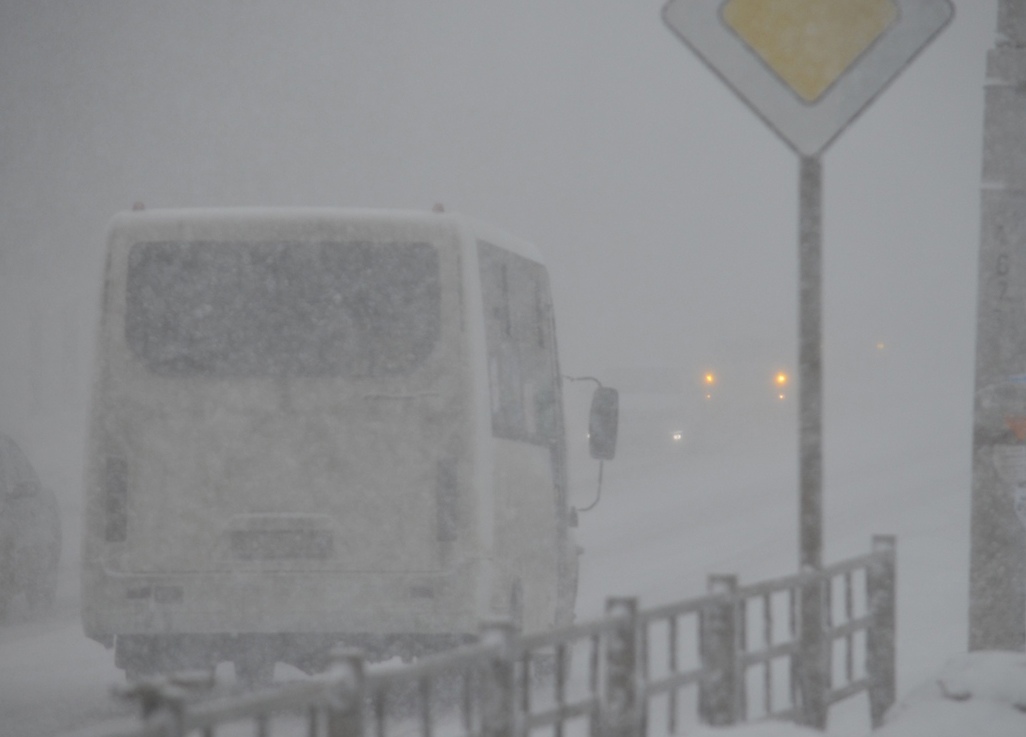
{"type": "Point", "coordinates": [309, 652]}
{"type": "Point", "coordinates": [392, 614]}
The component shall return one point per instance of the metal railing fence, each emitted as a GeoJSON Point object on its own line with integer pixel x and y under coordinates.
{"type": "Point", "coordinates": [737, 654]}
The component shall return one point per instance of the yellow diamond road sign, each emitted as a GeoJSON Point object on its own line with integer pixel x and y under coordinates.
{"type": "Point", "coordinates": [809, 43]}
{"type": "Point", "coordinates": [807, 67]}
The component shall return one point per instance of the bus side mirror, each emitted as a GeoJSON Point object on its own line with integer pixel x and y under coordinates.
{"type": "Point", "coordinates": [603, 422]}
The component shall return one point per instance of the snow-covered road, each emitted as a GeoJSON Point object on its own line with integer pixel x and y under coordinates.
{"type": "Point", "coordinates": [663, 524]}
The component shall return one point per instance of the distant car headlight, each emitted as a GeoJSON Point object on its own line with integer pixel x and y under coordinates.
{"type": "Point", "coordinates": [781, 380]}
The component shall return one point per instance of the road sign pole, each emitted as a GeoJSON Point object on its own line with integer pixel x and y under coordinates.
{"type": "Point", "coordinates": [792, 63]}
{"type": "Point", "coordinates": [814, 667]}
{"type": "Point", "coordinates": [810, 361]}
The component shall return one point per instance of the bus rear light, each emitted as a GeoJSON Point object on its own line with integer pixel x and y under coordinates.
{"type": "Point", "coordinates": [116, 500]}
{"type": "Point", "coordinates": [446, 500]}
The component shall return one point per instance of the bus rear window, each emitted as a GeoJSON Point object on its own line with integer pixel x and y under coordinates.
{"type": "Point", "coordinates": [352, 309]}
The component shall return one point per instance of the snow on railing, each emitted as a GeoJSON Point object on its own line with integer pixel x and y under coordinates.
{"type": "Point", "coordinates": [718, 659]}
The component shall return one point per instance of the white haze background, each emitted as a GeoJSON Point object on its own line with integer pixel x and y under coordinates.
{"type": "Point", "coordinates": [666, 209]}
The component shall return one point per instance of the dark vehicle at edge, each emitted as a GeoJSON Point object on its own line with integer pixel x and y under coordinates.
{"type": "Point", "coordinates": [30, 533]}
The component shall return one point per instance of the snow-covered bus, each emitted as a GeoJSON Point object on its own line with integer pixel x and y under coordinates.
{"type": "Point", "coordinates": [321, 426]}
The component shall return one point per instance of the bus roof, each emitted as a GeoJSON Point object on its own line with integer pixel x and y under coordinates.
{"type": "Point", "coordinates": [252, 216]}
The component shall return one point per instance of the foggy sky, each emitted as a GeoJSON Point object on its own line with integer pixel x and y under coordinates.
{"type": "Point", "coordinates": [666, 209]}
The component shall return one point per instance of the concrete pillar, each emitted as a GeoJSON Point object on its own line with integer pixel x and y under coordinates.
{"type": "Point", "coordinates": [1012, 22]}
{"type": "Point", "coordinates": [997, 605]}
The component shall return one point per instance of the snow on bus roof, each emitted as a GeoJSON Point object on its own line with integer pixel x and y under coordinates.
{"type": "Point", "coordinates": [469, 226]}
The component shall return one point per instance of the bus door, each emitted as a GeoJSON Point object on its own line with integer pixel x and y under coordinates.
{"type": "Point", "coordinates": [527, 430]}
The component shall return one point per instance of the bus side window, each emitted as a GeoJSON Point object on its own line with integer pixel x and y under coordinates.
{"type": "Point", "coordinates": [521, 347]}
